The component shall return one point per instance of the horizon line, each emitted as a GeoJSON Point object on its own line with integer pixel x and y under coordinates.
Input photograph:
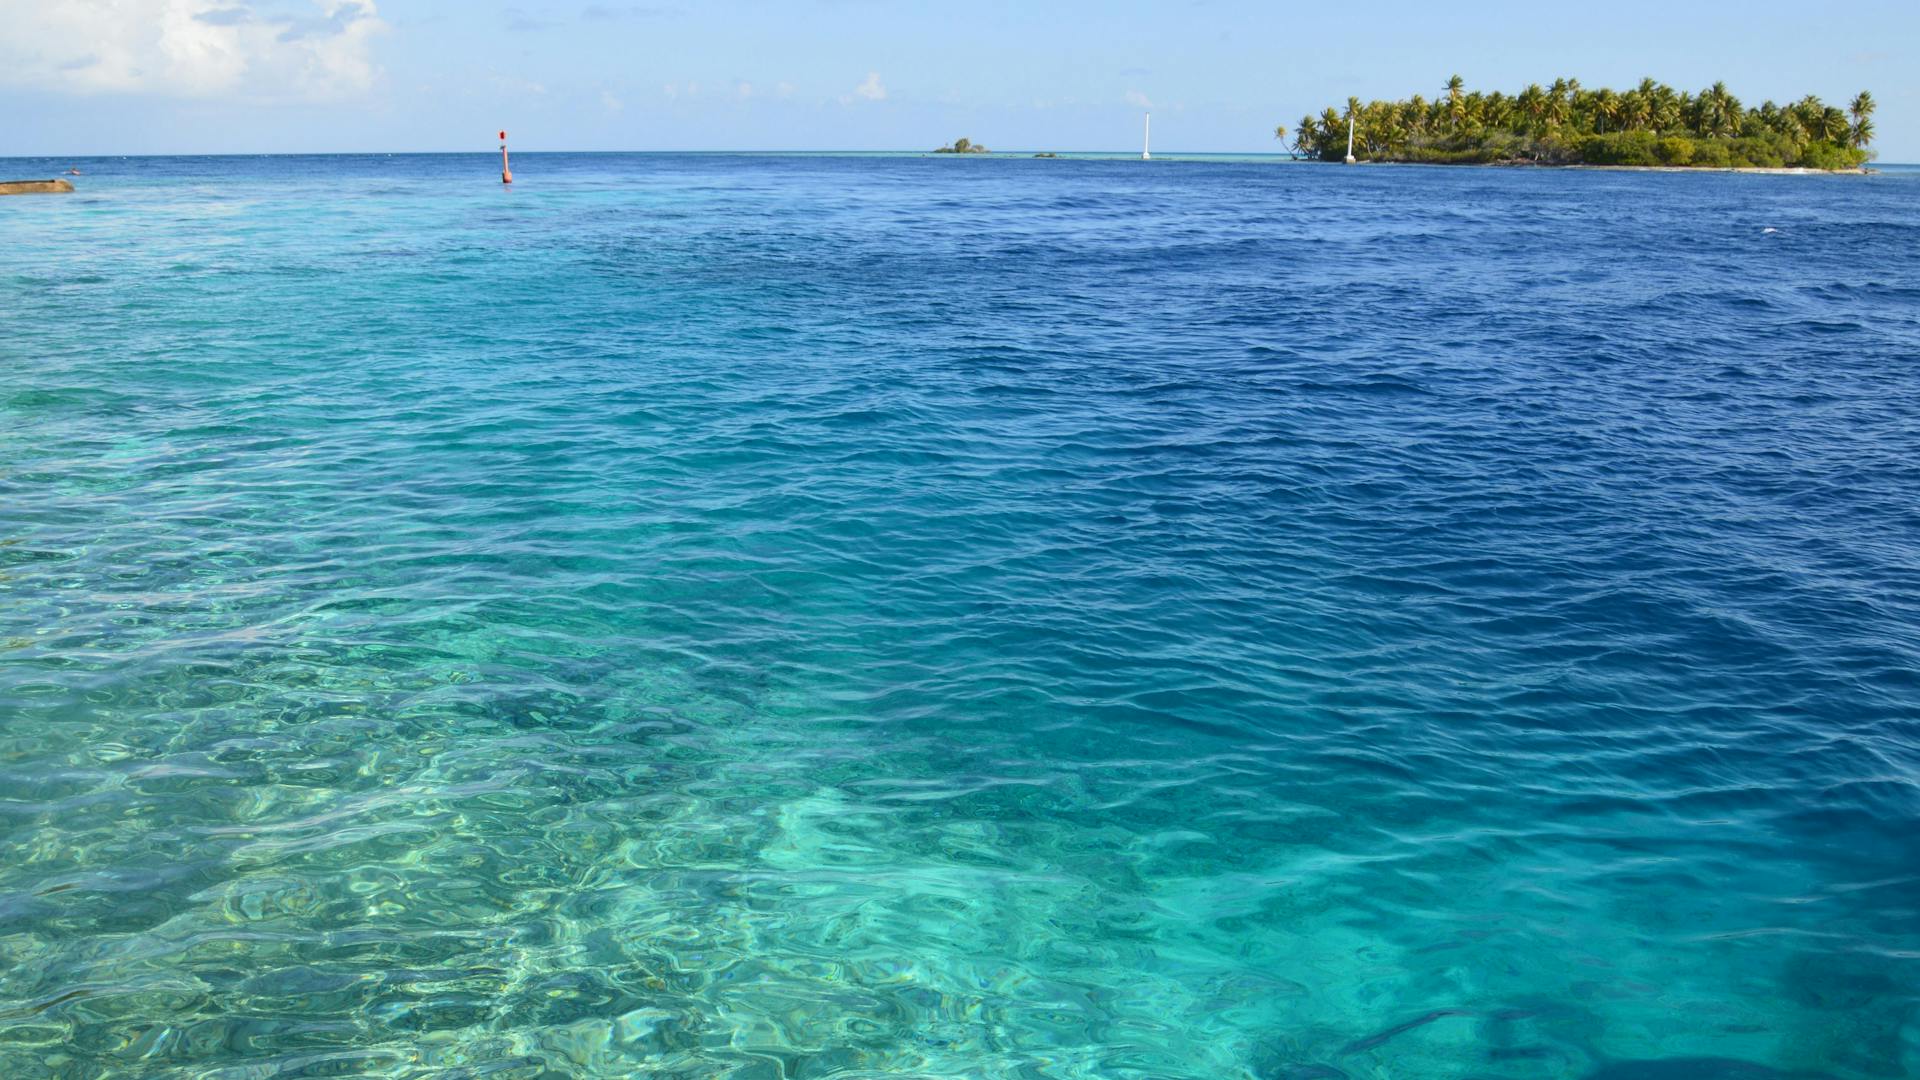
{"type": "Point", "coordinates": [1127, 154]}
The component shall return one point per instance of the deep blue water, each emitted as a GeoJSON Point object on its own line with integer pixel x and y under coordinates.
{"type": "Point", "coordinates": [698, 616]}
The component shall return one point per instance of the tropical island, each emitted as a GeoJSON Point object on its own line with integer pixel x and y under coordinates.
{"type": "Point", "coordinates": [963, 146]}
{"type": "Point", "coordinates": [1568, 124]}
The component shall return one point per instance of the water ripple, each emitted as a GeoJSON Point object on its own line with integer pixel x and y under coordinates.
{"type": "Point", "coordinates": [855, 617]}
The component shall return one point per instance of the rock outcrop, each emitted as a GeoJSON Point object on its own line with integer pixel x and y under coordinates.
{"type": "Point", "coordinates": [35, 187]}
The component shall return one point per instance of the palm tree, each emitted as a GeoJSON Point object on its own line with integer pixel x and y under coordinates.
{"type": "Point", "coordinates": [1476, 109]}
{"type": "Point", "coordinates": [1661, 108]}
{"type": "Point", "coordinates": [1582, 109]}
{"type": "Point", "coordinates": [1457, 101]}
{"type": "Point", "coordinates": [1606, 109]}
{"type": "Point", "coordinates": [1719, 112]}
{"type": "Point", "coordinates": [1332, 146]}
{"type": "Point", "coordinates": [1532, 104]}
{"type": "Point", "coordinates": [1669, 109]}
{"type": "Point", "coordinates": [1499, 110]}
{"type": "Point", "coordinates": [1401, 118]}
{"type": "Point", "coordinates": [1636, 111]}
{"type": "Point", "coordinates": [1306, 135]}
{"type": "Point", "coordinates": [1860, 134]}
{"type": "Point", "coordinates": [1807, 115]}
{"type": "Point", "coordinates": [1380, 121]}
{"type": "Point", "coordinates": [1557, 103]}
{"type": "Point", "coordinates": [1862, 112]}
{"type": "Point", "coordinates": [1833, 124]}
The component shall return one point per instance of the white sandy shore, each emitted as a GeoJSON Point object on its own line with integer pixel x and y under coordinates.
{"type": "Point", "coordinates": [1751, 170]}
{"type": "Point", "coordinates": [1756, 170]}
{"type": "Point", "coordinates": [1794, 171]}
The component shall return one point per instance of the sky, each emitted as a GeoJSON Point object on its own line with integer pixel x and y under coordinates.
{"type": "Point", "coordinates": [267, 76]}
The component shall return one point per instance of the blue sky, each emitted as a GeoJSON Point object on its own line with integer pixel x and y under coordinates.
{"type": "Point", "coordinates": [204, 76]}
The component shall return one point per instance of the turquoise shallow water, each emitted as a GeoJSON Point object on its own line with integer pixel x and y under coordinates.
{"type": "Point", "coordinates": [697, 616]}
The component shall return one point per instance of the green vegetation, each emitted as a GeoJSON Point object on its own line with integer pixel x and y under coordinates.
{"type": "Point", "coordinates": [1567, 124]}
{"type": "Point", "coordinates": [963, 146]}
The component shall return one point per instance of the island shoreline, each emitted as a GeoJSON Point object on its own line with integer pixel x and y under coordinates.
{"type": "Point", "coordinates": [1757, 170]}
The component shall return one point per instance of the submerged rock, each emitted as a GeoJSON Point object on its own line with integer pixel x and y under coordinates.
{"type": "Point", "coordinates": [35, 187]}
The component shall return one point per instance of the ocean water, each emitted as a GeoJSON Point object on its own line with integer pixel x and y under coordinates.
{"type": "Point", "coordinates": [798, 617]}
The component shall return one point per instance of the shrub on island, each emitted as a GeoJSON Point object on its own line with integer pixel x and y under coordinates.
{"type": "Point", "coordinates": [1566, 124]}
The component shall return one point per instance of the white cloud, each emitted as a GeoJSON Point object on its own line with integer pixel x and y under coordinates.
{"type": "Point", "coordinates": [743, 90]}
{"type": "Point", "coordinates": [603, 13]}
{"type": "Point", "coordinates": [522, 21]}
{"type": "Point", "coordinates": [610, 102]}
{"type": "Point", "coordinates": [871, 89]}
{"type": "Point", "coordinates": [1138, 100]}
{"type": "Point", "coordinates": [190, 48]}
{"type": "Point", "coordinates": [515, 85]}
{"type": "Point", "coordinates": [784, 90]}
